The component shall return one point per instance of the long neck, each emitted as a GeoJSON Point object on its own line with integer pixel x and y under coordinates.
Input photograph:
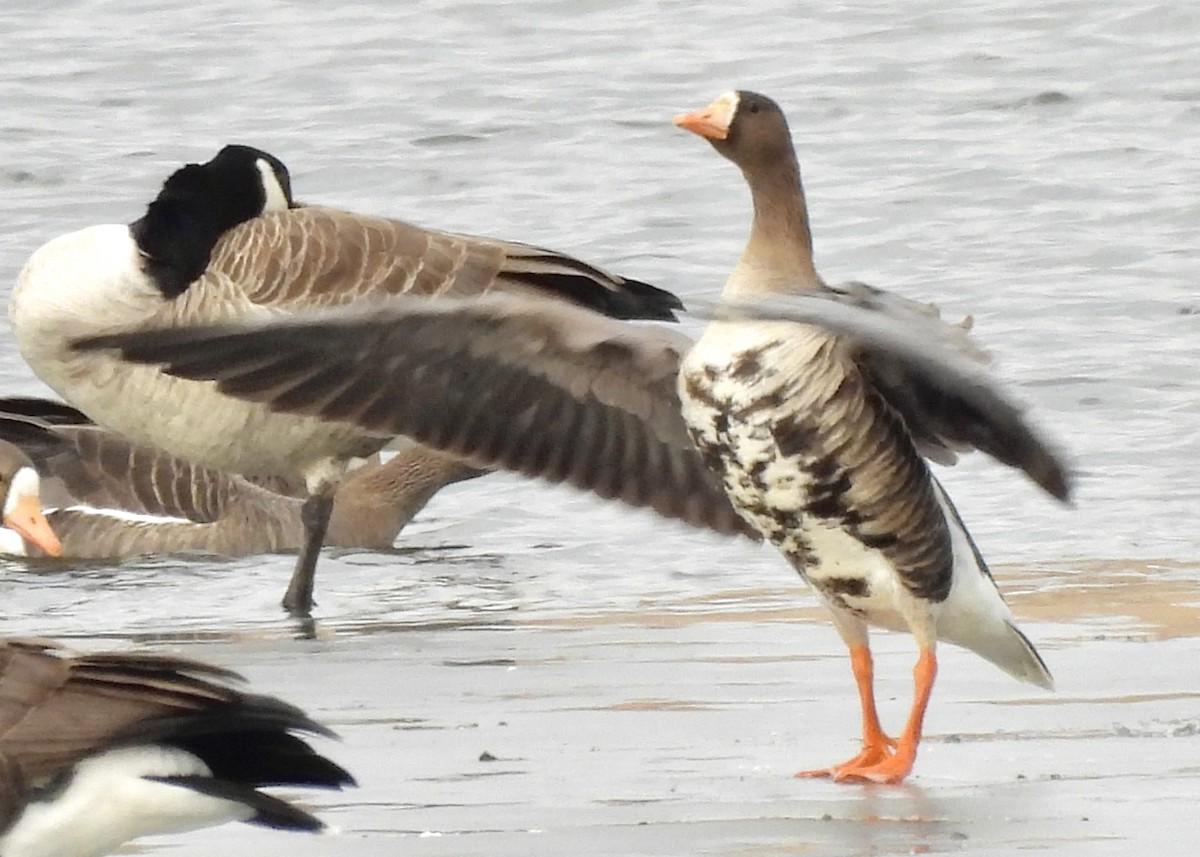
{"type": "Point", "coordinates": [374, 503]}
{"type": "Point", "coordinates": [777, 258]}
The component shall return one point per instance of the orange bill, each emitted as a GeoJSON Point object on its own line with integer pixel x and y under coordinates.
{"type": "Point", "coordinates": [711, 122]}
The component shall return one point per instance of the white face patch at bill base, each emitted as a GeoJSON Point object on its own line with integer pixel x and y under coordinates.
{"type": "Point", "coordinates": [25, 483]}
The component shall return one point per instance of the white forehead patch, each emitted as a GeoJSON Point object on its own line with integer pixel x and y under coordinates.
{"type": "Point", "coordinates": [276, 198]}
{"type": "Point", "coordinates": [729, 102]}
{"type": "Point", "coordinates": [25, 483]}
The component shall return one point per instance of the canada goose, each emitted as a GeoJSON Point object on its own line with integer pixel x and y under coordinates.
{"type": "Point", "coordinates": [109, 498]}
{"type": "Point", "coordinates": [174, 738]}
{"type": "Point", "coordinates": [180, 744]}
{"type": "Point", "coordinates": [225, 241]}
{"type": "Point", "coordinates": [815, 433]}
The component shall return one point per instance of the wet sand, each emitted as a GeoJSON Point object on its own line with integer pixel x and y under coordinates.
{"type": "Point", "coordinates": [674, 728]}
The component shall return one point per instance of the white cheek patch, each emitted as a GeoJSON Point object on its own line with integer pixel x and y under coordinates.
{"type": "Point", "coordinates": [25, 483]}
{"type": "Point", "coordinates": [276, 199]}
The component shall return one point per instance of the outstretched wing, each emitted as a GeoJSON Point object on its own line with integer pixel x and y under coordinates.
{"type": "Point", "coordinates": [540, 388]}
{"type": "Point", "coordinates": [927, 370]}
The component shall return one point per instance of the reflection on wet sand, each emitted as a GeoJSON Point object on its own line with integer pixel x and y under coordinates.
{"type": "Point", "coordinates": [601, 734]}
{"type": "Point", "coordinates": [484, 717]}
{"type": "Point", "coordinates": [1157, 599]}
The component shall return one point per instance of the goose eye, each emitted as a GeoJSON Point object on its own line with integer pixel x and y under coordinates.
{"type": "Point", "coordinates": [753, 108]}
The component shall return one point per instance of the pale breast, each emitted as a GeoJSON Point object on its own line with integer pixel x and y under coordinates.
{"type": "Point", "coordinates": [814, 460]}
{"type": "Point", "coordinates": [194, 421]}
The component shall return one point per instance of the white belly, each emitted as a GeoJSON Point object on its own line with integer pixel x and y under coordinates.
{"type": "Point", "coordinates": [735, 419]}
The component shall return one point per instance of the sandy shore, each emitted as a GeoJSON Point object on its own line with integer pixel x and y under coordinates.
{"type": "Point", "coordinates": [674, 729]}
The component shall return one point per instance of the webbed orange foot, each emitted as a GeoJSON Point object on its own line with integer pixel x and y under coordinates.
{"type": "Point", "coordinates": [872, 754]}
{"type": "Point", "coordinates": [891, 769]}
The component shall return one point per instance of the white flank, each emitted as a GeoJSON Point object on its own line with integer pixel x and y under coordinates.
{"type": "Point", "coordinates": [975, 616]}
{"type": "Point", "coordinates": [108, 802]}
{"type": "Point", "coordinates": [123, 515]}
{"type": "Point", "coordinates": [91, 282]}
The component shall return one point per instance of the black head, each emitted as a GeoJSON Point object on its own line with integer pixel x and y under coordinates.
{"type": "Point", "coordinates": [199, 203]}
{"type": "Point", "coordinates": [746, 127]}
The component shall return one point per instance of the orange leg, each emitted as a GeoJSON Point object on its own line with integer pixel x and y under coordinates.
{"type": "Point", "coordinates": [896, 766]}
{"type": "Point", "coordinates": [877, 747]}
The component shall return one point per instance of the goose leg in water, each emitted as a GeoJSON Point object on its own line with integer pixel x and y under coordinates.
{"type": "Point", "coordinates": [298, 600]}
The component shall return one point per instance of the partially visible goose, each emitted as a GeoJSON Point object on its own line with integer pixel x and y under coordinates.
{"type": "Point", "coordinates": [224, 241]}
{"type": "Point", "coordinates": [24, 523]}
{"type": "Point", "coordinates": [109, 498]}
{"type": "Point", "coordinates": [96, 750]}
{"type": "Point", "coordinates": [817, 433]}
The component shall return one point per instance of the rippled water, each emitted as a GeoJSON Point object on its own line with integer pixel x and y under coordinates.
{"type": "Point", "coordinates": [1031, 163]}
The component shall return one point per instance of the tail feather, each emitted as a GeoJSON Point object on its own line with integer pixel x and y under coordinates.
{"type": "Point", "coordinates": [269, 811]}
{"type": "Point", "coordinates": [581, 283]}
{"type": "Point", "coordinates": [1034, 669]}
{"type": "Point", "coordinates": [258, 758]}
{"type": "Point", "coordinates": [975, 615]}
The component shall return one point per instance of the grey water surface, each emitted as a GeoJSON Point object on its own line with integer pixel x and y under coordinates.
{"type": "Point", "coordinates": [647, 689]}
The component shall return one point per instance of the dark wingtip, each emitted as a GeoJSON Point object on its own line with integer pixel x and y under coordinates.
{"type": "Point", "coordinates": [640, 300]}
{"type": "Point", "coordinates": [47, 411]}
{"type": "Point", "coordinates": [1058, 483]}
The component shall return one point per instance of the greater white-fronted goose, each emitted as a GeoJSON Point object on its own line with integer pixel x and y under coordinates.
{"type": "Point", "coordinates": [822, 445]}
{"type": "Point", "coordinates": [108, 498]}
{"type": "Point", "coordinates": [99, 749]}
{"type": "Point", "coordinates": [817, 434]}
{"type": "Point", "coordinates": [224, 241]}
{"type": "Point", "coordinates": [23, 521]}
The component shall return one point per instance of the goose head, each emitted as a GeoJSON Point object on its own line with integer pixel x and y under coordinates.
{"type": "Point", "coordinates": [746, 127]}
{"type": "Point", "coordinates": [198, 204]}
{"type": "Point", "coordinates": [21, 503]}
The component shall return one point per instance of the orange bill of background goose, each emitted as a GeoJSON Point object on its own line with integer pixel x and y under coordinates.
{"type": "Point", "coordinates": [108, 498]}
{"type": "Point", "coordinates": [224, 241]}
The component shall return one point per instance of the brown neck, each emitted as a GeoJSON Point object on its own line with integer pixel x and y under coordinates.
{"type": "Point", "coordinates": [374, 503]}
{"type": "Point", "coordinates": [777, 258]}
